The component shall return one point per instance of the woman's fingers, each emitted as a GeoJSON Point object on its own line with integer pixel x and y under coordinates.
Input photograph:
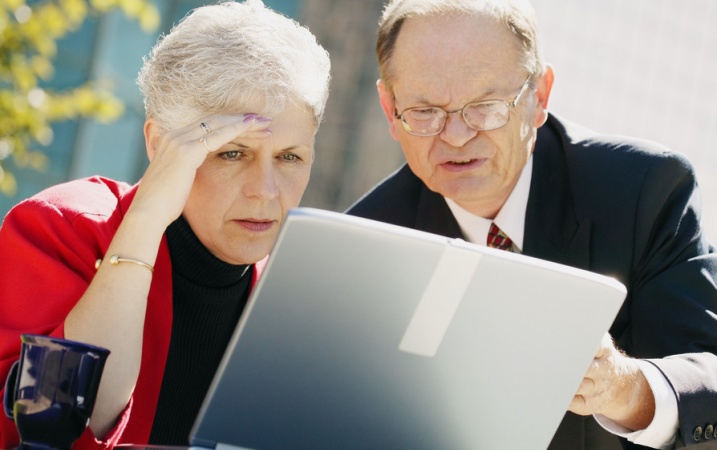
{"type": "Point", "coordinates": [214, 132]}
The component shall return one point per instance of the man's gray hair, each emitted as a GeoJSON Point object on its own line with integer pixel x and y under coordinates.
{"type": "Point", "coordinates": [225, 57]}
{"type": "Point", "coordinates": [517, 15]}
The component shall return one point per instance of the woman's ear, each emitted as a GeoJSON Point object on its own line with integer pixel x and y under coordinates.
{"type": "Point", "coordinates": [152, 132]}
{"type": "Point", "coordinates": [388, 106]}
{"type": "Point", "coordinates": [544, 86]}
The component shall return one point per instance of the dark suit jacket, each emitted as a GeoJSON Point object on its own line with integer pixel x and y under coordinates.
{"type": "Point", "coordinates": [623, 208]}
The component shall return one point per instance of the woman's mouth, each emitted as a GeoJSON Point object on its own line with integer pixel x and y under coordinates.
{"type": "Point", "coordinates": [256, 225]}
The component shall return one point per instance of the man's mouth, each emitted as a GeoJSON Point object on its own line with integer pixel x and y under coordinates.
{"type": "Point", "coordinates": [461, 163]}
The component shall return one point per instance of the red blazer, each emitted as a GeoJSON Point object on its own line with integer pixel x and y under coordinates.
{"type": "Point", "coordinates": [48, 248]}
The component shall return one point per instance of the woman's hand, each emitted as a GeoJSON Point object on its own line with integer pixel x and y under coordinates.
{"type": "Point", "coordinates": [176, 155]}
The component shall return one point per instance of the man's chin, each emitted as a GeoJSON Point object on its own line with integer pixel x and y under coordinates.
{"type": "Point", "coordinates": [461, 190]}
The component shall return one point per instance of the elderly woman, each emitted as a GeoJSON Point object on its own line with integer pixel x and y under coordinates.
{"type": "Point", "coordinates": [159, 272]}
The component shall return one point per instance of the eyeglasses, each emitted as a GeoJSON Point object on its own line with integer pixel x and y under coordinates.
{"type": "Point", "coordinates": [481, 116]}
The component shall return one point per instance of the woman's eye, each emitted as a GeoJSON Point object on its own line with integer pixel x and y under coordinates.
{"type": "Point", "coordinates": [231, 155]}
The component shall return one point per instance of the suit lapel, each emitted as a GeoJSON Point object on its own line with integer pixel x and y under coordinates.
{"type": "Point", "coordinates": [434, 215]}
{"type": "Point", "coordinates": [552, 229]}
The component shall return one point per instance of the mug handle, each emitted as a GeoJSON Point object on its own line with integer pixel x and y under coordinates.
{"type": "Point", "coordinates": [10, 386]}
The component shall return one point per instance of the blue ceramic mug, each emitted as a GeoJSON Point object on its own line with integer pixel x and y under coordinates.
{"type": "Point", "coordinates": [51, 390]}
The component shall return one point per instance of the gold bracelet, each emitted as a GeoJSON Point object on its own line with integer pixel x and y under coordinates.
{"type": "Point", "coordinates": [116, 259]}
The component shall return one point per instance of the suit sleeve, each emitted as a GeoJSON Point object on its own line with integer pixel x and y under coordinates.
{"type": "Point", "coordinates": [47, 261]}
{"type": "Point", "coordinates": [674, 305]}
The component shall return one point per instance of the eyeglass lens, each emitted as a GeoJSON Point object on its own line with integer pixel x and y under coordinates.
{"type": "Point", "coordinates": [479, 116]}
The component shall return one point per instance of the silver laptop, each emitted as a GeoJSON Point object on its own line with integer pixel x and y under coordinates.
{"type": "Point", "coordinates": [363, 335]}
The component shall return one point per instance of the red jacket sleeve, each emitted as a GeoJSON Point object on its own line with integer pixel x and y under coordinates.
{"type": "Point", "coordinates": [47, 256]}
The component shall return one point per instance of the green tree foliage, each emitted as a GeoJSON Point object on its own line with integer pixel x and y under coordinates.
{"type": "Point", "coordinates": [29, 31]}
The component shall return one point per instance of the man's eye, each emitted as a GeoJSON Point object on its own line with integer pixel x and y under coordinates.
{"type": "Point", "coordinates": [422, 114]}
{"type": "Point", "coordinates": [290, 157]}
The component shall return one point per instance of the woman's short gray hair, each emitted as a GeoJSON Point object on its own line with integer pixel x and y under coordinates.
{"type": "Point", "coordinates": [517, 15]}
{"type": "Point", "coordinates": [229, 56]}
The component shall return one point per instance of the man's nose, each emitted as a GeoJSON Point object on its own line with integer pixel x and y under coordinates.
{"type": "Point", "coordinates": [456, 132]}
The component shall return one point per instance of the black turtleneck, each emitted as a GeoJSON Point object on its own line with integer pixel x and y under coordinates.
{"type": "Point", "coordinates": [208, 296]}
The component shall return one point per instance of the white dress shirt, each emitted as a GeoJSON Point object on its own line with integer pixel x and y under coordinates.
{"type": "Point", "coordinates": [662, 430]}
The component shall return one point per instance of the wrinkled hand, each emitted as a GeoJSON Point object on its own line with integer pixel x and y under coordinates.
{"type": "Point", "coordinates": [615, 387]}
{"type": "Point", "coordinates": [177, 154]}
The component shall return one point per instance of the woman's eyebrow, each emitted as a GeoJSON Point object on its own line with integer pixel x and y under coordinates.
{"type": "Point", "coordinates": [239, 144]}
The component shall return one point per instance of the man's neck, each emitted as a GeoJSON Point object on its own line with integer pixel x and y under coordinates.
{"type": "Point", "coordinates": [510, 216]}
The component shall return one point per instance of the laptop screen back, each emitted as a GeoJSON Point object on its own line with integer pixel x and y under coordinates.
{"type": "Point", "coordinates": [363, 335]}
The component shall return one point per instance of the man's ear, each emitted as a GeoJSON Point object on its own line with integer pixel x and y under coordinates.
{"type": "Point", "coordinates": [388, 106]}
{"type": "Point", "coordinates": [544, 86]}
{"type": "Point", "coordinates": [152, 132]}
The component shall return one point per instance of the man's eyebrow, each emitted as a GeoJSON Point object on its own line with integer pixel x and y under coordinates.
{"type": "Point", "coordinates": [489, 94]}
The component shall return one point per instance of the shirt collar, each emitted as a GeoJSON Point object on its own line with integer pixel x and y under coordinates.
{"type": "Point", "coordinates": [510, 218]}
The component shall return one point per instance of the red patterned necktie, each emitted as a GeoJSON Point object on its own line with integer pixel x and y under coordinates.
{"type": "Point", "coordinates": [498, 239]}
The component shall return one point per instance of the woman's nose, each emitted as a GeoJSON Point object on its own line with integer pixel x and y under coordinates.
{"type": "Point", "coordinates": [261, 182]}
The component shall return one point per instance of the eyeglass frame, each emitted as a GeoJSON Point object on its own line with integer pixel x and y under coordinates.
{"type": "Point", "coordinates": [511, 105]}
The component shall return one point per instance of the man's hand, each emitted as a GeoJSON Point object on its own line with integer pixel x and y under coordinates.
{"type": "Point", "coordinates": [615, 387]}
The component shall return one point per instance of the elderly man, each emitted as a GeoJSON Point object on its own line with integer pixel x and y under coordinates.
{"type": "Point", "coordinates": [465, 91]}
